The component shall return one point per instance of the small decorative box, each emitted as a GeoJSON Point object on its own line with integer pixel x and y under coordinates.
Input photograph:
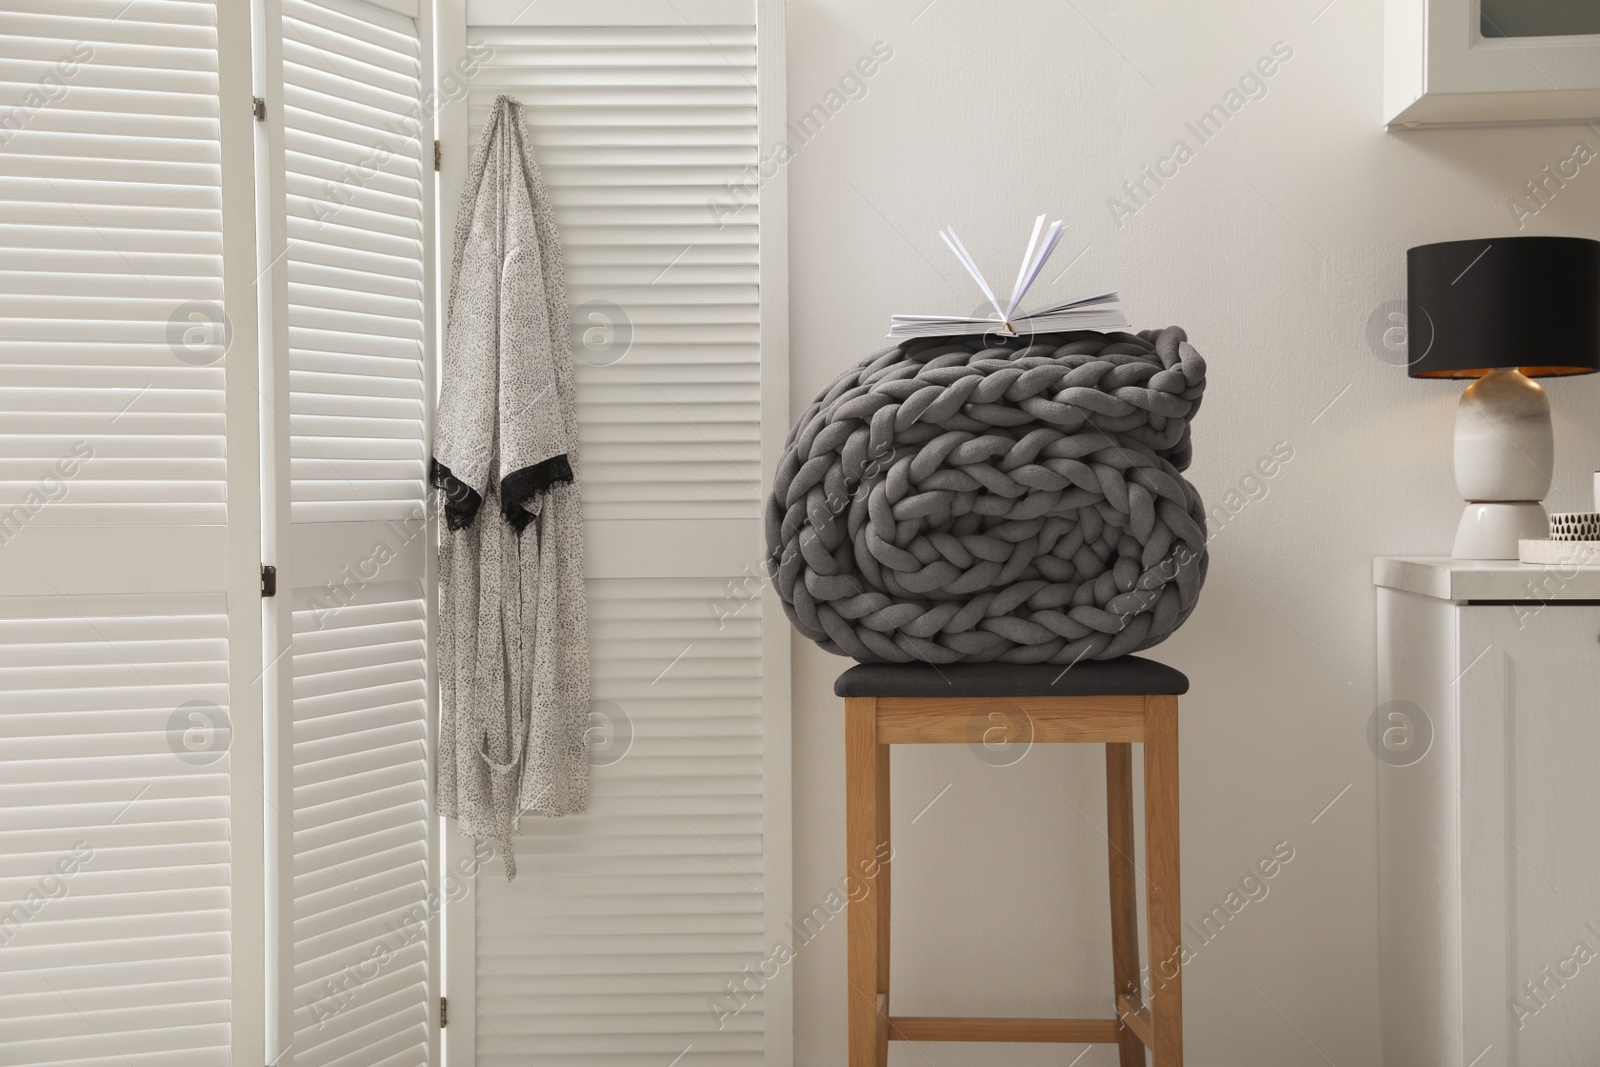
{"type": "Point", "coordinates": [1575, 526]}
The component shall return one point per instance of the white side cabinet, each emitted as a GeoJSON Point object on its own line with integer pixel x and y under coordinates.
{"type": "Point", "coordinates": [1488, 735]}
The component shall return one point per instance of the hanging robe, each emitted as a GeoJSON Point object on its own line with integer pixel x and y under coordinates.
{"type": "Point", "coordinates": [513, 625]}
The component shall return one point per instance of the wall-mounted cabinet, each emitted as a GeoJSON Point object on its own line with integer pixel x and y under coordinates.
{"type": "Point", "coordinates": [1490, 62]}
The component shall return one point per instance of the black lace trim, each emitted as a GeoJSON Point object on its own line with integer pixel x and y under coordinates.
{"type": "Point", "coordinates": [461, 501]}
{"type": "Point", "coordinates": [521, 486]}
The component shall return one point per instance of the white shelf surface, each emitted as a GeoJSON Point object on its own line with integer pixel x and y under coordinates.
{"type": "Point", "coordinates": [1485, 579]}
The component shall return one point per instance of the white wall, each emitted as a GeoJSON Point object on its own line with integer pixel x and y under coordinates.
{"type": "Point", "coordinates": [1272, 247]}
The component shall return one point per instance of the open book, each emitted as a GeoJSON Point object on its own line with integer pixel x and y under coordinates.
{"type": "Point", "coordinates": [1090, 313]}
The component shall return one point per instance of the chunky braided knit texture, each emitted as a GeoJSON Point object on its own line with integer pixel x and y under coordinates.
{"type": "Point", "coordinates": [963, 499]}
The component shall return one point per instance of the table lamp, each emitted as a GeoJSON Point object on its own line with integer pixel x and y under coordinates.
{"type": "Point", "coordinates": [1503, 311]}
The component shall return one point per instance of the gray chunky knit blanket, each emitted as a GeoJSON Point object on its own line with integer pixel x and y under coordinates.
{"type": "Point", "coordinates": [963, 499]}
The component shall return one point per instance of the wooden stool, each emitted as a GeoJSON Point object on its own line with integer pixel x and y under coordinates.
{"type": "Point", "coordinates": [1115, 702]}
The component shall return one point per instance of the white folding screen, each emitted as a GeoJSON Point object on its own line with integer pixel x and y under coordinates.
{"type": "Point", "coordinates": [637, 127]}
{"type": "Point", "coordinates": [114, 850]}
{"type": "Point", "coordinates": [157, 716]}
{"type": "Point", "coordinates": [148, 356]}
{"type": "Point", "coordinates": [618, 939]}
{"type": "Point", "coordinates": [113, 263]}
{"type": "Point", "coordinates": [360, 861]}
{"type": "Point", "coordinates": [130, 620]}
{"type": "Point", "coordinates": [347, 180]}
{"type": "Point", "coordinates": [358, 207]}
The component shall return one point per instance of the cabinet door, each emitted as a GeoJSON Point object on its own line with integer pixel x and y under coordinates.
{"type": "Point", "coordinates": [1530, 806]}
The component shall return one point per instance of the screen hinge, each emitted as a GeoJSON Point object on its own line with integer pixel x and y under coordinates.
{"type": "Point", "coordinates": [444, 1014]}
{"type": "Point", "coordinates": [258, 107]}
{"type": "Point", "coordinates": [269, 580]}
{"type": "Point", "coordinates": [437, 155]}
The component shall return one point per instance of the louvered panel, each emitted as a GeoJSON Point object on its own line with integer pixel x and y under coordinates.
{"type": "Point", "coordinates": [626, 921]}
{"type": "Point", "coordinates": [112, 335]}
{"type": "Point", "coordinates": [637, 128]}
{"type": "Point", "coordinates": [114, 839]}
{"type": "Point", "coordinates": [354, 188]}
{"type": "Point", "coordinates": [360, 828]}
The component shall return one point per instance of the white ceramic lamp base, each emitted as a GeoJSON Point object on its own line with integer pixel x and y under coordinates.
{"type": "Point", "coordinates": [1488, 528]}
{"type": "Point", "coordinates": [1505, 452]}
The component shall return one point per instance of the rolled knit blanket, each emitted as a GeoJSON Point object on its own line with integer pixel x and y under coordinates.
{"type": "Point", "coordinates": [967, 499]}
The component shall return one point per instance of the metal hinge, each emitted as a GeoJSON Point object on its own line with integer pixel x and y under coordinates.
{"type": "Point", "coordinates": [259, 107]}
{"type": "Point", "coordinates": [444, 1015]}
{"type": "Point", "coordinates": [269, 580]}
{"type": "Point", "coordinates": [437, 155]}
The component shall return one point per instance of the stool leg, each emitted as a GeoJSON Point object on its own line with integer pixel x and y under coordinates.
{"type": "Point", "coordinates": [1124, 902]}
{"type": "Point", "coordinates": [882, 848]}
{"type": "Point", "coordinates": [864, 795]}
{"type": "Point", "coordinates": [1162, 867]}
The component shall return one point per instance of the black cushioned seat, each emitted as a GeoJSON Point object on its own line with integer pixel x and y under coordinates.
{"type": "Point", "coordinates": [1125, 676]}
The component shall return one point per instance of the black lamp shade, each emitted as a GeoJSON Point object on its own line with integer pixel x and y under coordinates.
{"type": "Point", "coordinates": [1527, 302]}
